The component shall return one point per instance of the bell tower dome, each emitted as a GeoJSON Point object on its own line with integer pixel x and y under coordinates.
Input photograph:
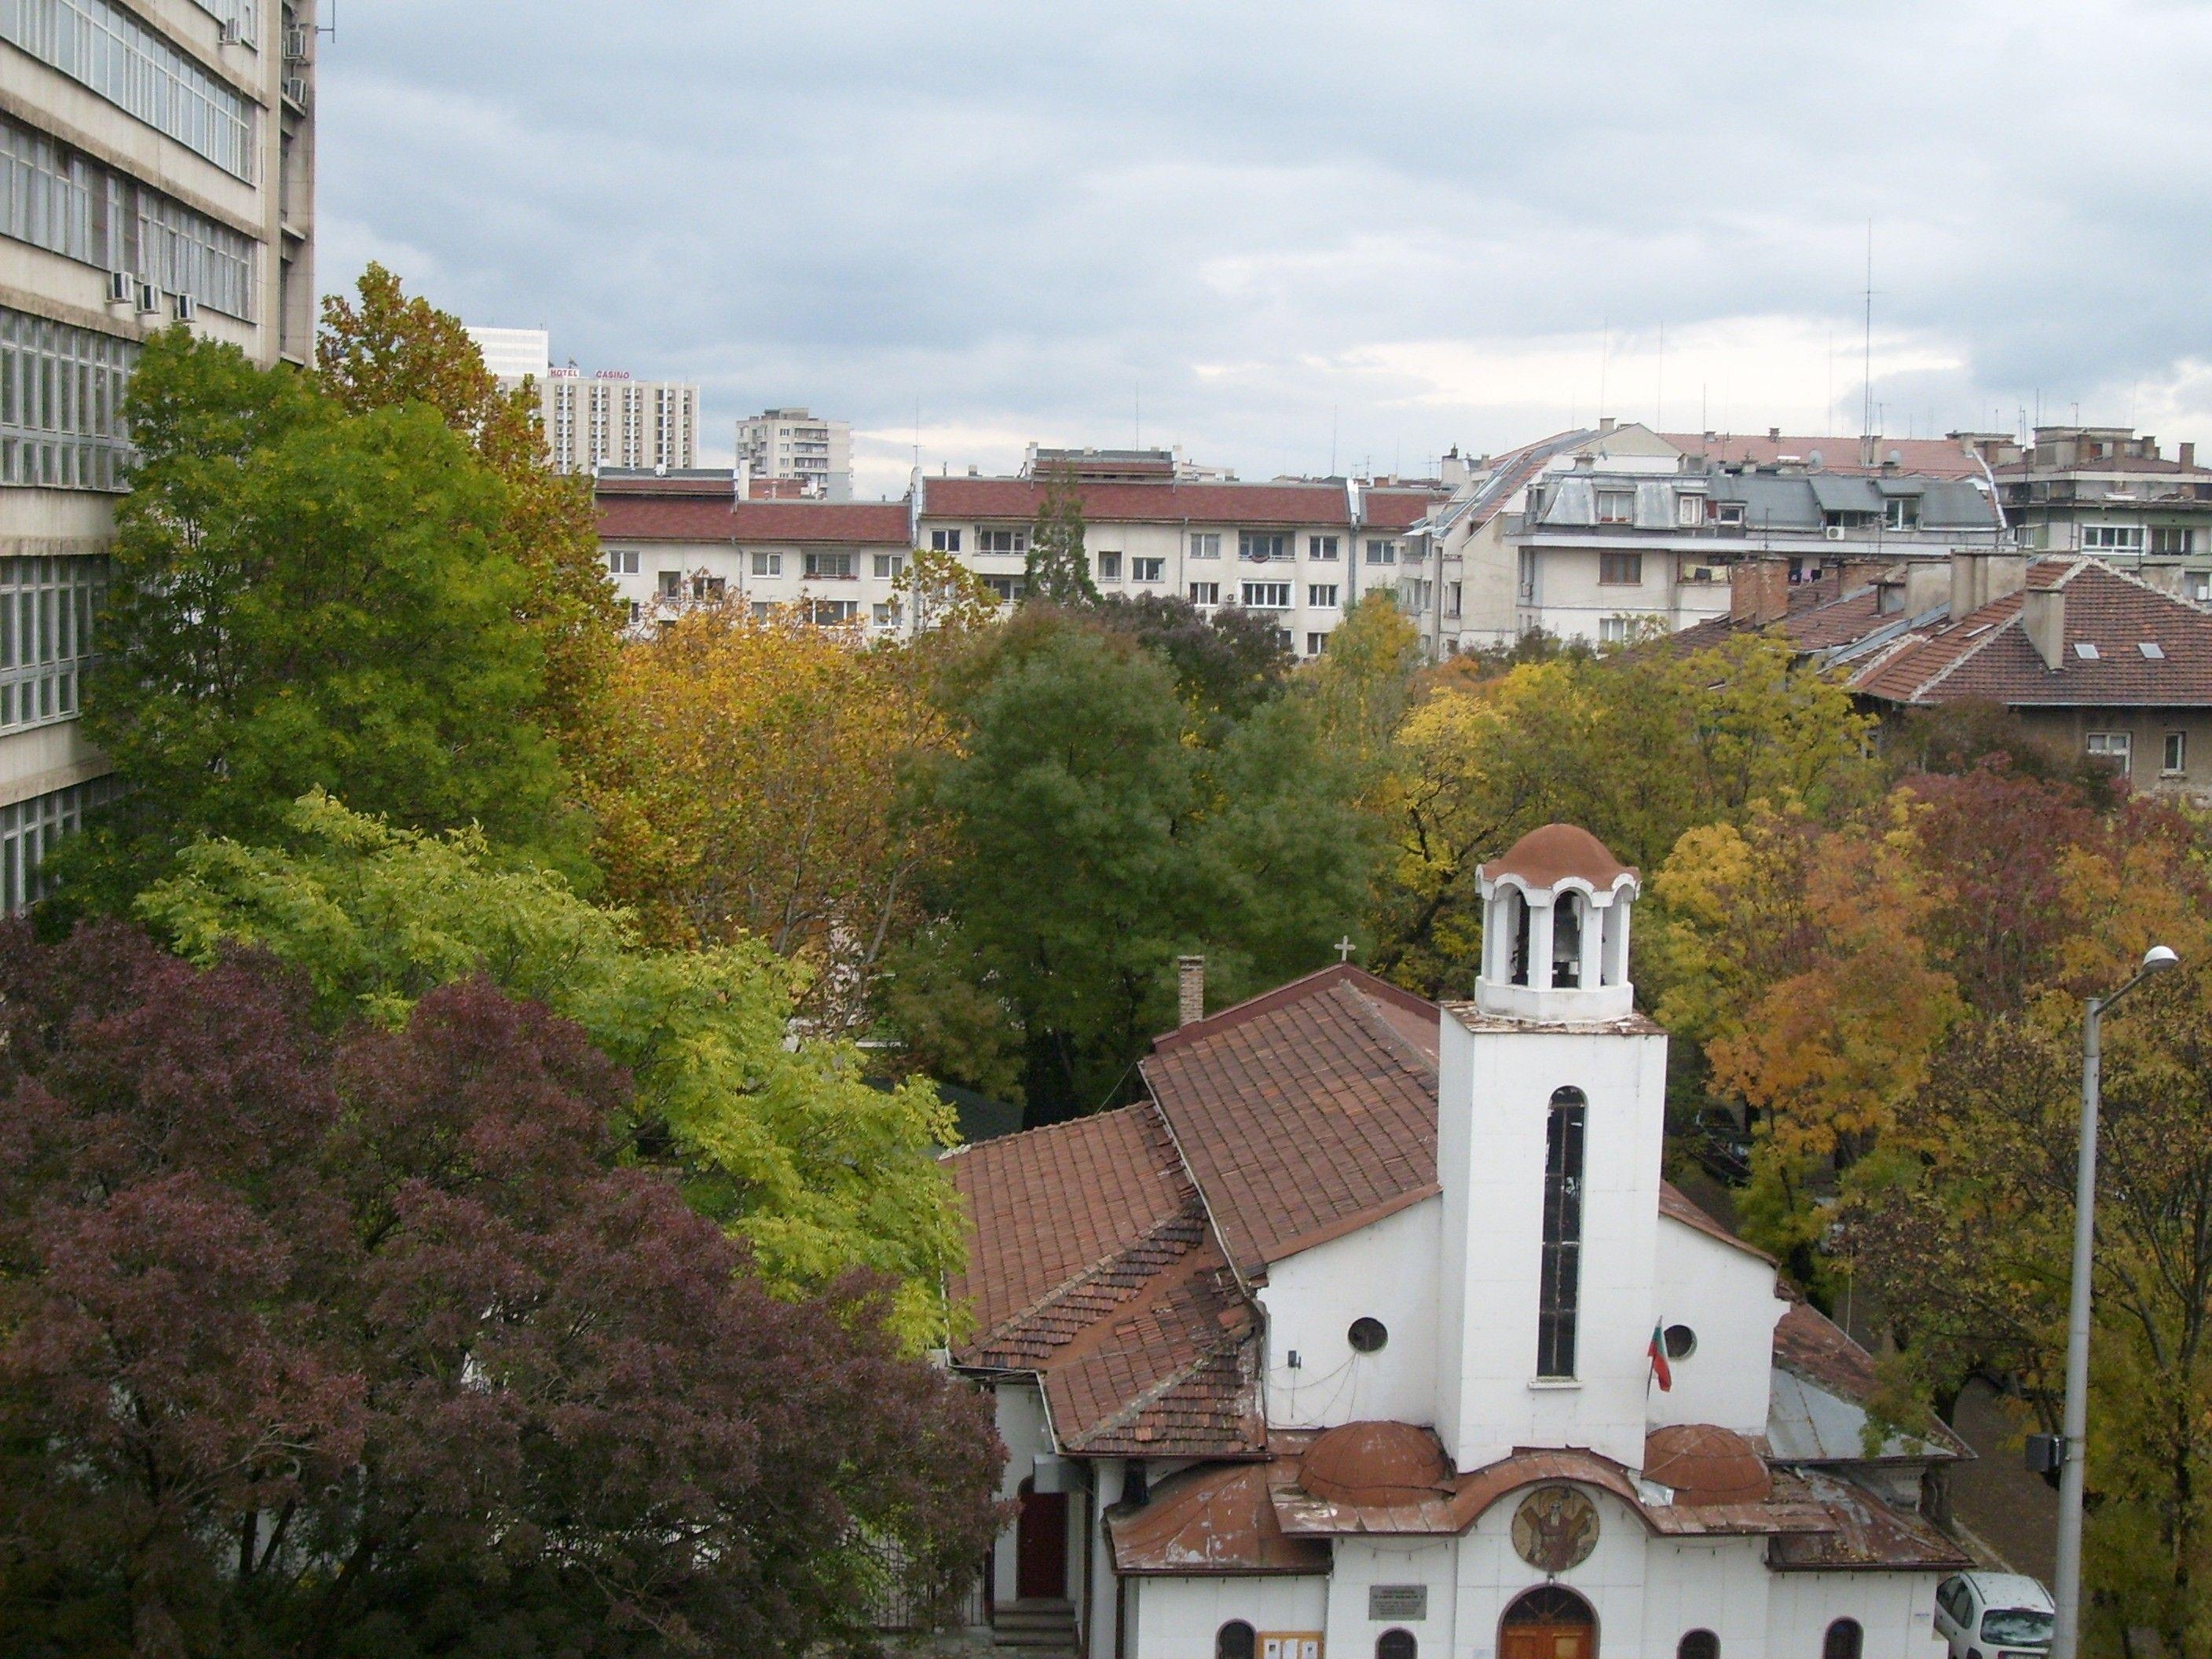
{"type": "Point", "coordinates": [1555, 910]}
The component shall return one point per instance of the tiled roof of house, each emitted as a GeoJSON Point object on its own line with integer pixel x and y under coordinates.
{"type": "Point", "coordinates": [690, 518]}
{"type": "Point", "coordinates": [1207, 502]}
{"type": "Point", "coordinates": [1396, 509]}
{"type": "Point", "coordinates": [1939, 457]}
{"type": "Point", "coordinates": [1987, 654]}
{"type": "Point", "coordinates": [1211, 1521]}
{"type": "Point", "coordinates": [1303, 1114]}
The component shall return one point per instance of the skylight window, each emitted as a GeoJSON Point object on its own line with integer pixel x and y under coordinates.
{"type": "Point", "coordinates": [2152, 649]}
{"type": "Point", "coordinates": [2084, 650]}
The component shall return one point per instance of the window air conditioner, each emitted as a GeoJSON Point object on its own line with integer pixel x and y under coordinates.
{"type": "Point", "coordinates": [296, 45]}
{"type": "Point", "coordinates": [186, 308]}
{"type": "Point", "coordinates": [122, 288]}
{"type": "Point", "coordinates": [230, 34]}
{"type": "Point", "coordinates": [1834, 532]}
{"type": "Point", "coordinates": [295, 91]}
{"type": "Point", "coordinates": [150, 299]}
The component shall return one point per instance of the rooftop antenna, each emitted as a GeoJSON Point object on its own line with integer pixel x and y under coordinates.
{"type": "Point", "coordinates": [1332, 441]}
{"type": "Point", "coordinates": [332, 28]}
{"type": "Point", "coordinates": [1604, 363]}
{"type": "Point", "coordinates": [917, 435]}
{"type": "Point", "coordinates": [1659, 397]}
{"type": "Point", "coordinates": [1867, 409]}
{"type": "Point", "coordinates": [1139, 403]}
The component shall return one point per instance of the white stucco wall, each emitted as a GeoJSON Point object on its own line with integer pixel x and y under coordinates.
{"type": "Point", "coordinates": [1363, 1562]}
{"type": "Point", "coordinates": [1386, 1272]}
{"type": "Point", "coordinates": [1726, 1296]}
{"type": "Point", "coordinates": [1019, 1410]}
{"type": "Point", "coordinates": [1494, 1105]}
{"type": "Point", "coordinates": [1176, 1618]}
{"type": "Point", "coordinates": [1897, 1611]}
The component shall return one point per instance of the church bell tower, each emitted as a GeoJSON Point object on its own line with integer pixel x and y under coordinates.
{"type": "Point", "coordinates": [1551, 1112]}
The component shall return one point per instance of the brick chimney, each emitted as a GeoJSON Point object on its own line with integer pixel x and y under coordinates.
{"type": "Point", "coordinates": [1758, 592]}
{"type": "Point", "coordinates": [1190, 990]}
{"type": "Point", "coordinates": [2044, 614]}
{"type": "Point", "coordinates": [2186, 454]}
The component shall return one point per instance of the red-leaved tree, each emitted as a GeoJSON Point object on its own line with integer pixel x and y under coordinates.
{"type": "Point", "coordinates": [367, 1346]}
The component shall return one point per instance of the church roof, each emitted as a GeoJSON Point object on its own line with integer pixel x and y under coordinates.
{"type": "Point", "coordinates": [1211, 1521]}
{"type": "Point", "coordinates": [1557, 852]}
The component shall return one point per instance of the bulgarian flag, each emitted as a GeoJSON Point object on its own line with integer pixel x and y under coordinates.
{"type": "Point", "coordinates": [1660, 1368]}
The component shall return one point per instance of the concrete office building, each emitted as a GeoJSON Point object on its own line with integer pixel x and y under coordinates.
{"type": "Point", "coordinates": [608, 419]}
{"type": "Point", "coordinates": [796, 444]}
{"type": "Point", "coordinates": [516, 354]}
{"type": "Point", "coordinates": [158, 167]}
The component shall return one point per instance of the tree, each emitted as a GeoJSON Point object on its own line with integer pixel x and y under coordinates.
{"type": "Point", "coordinates": [1058, 570]}
{"type": "Point", "coordinates": [1226, 663]}
{"type": "Point", "coordinates": [785, 1144]}
{"type": "Point", "coordinates": [389, 350]}
{"type": "Point", "coordinates": [366, 1345]}
{"type": "Point", "coordinates": [305, 597]}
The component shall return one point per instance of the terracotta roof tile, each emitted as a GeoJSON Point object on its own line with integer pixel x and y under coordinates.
{"type": "Point", "coordinates": [1289, 506]}
{"type": "Point", "coordinates": [1936, 458]}
{"type": "Point", "coordinates": [689, 518]}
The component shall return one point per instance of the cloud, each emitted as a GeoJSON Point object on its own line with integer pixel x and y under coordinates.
{"type": "Point", "coordinates": [1280, 230]}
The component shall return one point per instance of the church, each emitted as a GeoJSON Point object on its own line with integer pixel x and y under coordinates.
{"type": "Point", "coordinates": [1373, 1331]}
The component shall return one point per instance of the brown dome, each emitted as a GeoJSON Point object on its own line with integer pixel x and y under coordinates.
{"type": "Point", "coordinates": [1706, 1465]}
{"type": "Point", "coordinates": [1544, 858]}
{"type": "Point", "coordinates": [1375, 1464]}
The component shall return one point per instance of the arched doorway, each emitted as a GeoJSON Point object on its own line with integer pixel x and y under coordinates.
{"type": "Point", "coordinates": [1548, 1623]}
{"type": "Point", "coordinates": [1040, 1545]}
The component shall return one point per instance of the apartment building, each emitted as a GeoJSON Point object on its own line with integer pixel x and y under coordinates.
{"type": "Point", "coordinates": [516, 354]}
{"type": "Point", "coordinates": [1598, 535]}
{"type": "Point", "coordinates": [612, 419]}
{"type": "Point", "coordinates": [2108, 492]}
{"type": "Point", "coordinates": [158, 167]}
{"type": "Point", "coordinates": [797, 446]}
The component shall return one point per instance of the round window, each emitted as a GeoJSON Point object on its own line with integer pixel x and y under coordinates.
{"type": "Point", "coordinates": [1367, 1335]}
{"type": "Point", "coordinates": [1682, 1342]}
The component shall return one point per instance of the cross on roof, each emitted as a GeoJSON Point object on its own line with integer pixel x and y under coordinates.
{"type": "Point", "coordinates": [1345, 947]}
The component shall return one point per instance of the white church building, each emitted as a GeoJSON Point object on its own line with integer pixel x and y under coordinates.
{"type": "Point", "coordinates": [1374, 1330]}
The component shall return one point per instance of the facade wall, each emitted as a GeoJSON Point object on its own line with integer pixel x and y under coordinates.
{"type": "Point", "coordinates": [609, 420]}
{"type": "Point", "coordinates": [797, 444]}
{"type": "Point", "coordinates": [1727, 1298]}
{"type": "Point", "coordinates": [1177, 1618]}
{"type": "Point", "coordinates": [2147, 731]}
{"type": "Point", "coordinates": [1360, 1564]}
{"type": "Point", "coordinates": [763, 575]}
{"type": "Point", "coordinates": [1022, 1431]}
{"type": "Point", "coordinates": [1896, 1611]}
{"type": "Point", "coordinates": [1386, 1272]}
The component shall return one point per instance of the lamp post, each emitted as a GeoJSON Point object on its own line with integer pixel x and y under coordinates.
{"type": "Point", "coordinates": [2067, 1636]}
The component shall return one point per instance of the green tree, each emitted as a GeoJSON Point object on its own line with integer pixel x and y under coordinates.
{"type": "Point", "coordinates": [305, 597]}
{"type": "Point", "coordinates": [1058, 570]}
{"type": "Point", "coordinates": [786, 1143]}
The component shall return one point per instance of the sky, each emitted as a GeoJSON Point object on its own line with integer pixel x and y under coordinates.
{"type": "Point", "coordinates": [1295, 237]}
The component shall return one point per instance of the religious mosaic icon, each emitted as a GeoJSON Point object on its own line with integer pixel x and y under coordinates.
{"type": "Point", "coordinates": [1555, 1528]}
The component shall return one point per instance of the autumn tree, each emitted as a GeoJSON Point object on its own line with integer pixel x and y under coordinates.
{"type": "Point", "coordinates": [1058, 569]}
{"type": "Point", "coordinates": [783, 1143]}
{"type": "Point", "coordinates": [1227, 662]}
{"type": "Point", "coordinates": [302, 596]}
{"type": "Point", "coordinates": [368, 1344]}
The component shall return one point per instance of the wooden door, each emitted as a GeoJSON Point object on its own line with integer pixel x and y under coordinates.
{"type": "Point", "coordinates": [1547, 1642]}
{"type": "Point", "coordinates": [1041, 1546]}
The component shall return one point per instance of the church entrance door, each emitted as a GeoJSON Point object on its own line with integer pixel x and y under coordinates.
{"type": "Point", "coordinates": [1041, 1546]}
{"type": "Point", "coordinates": [1548, 1623]}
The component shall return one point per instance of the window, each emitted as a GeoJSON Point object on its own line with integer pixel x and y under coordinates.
{"type": "Point", "coordinates": [2177, 753]}
{"type": "Point", "coordinates": [1527, 590]}
{"type": "Point", "coordinates": [2112, 538]}
{"type": "Point", "coordinates": [1268, 596]}
{"type": "Point", "coordinates": [889, 566]}
{"type": "Point", "coordinates": [28, 831]}
{"type": "Point", "coordinates": [1008, 588]}
{"type": "Point", "coordinates": [46, 607]}
{"type": "Point", "coordinates": [1616, 505]}
{"type": "Point", "coordinates": [1396, 1644]}
{"type": "Point", "coordinates": [622, 561]}
{"type": "Point", "coordinates": [1322, 547]}
{"type": "Point", "coordinates": [2200, 586]}
{"type": "Point", "coordinates": [1256, 544]}
{"type": "Point", "coordinates": [1560, 1278]}
{"type": "Point", "coordinates": [1844, 1640]}
{"type": "Point", "coordinates": [1321, 596]}
{"type": "Point", "coordinates": [829, 567]}
{"type": "Point", "coordinates": [100, 45]}
{"type": "Point", "coordinates": [671, 584]}
{"type": "Point", "coordinates": [61, 399]}
{"type": "Point", "coordinates": [944, 541]}
{"type": "Point", "coordinates": [637, 611]}
{"type": "Point", "coordinates": [1903, 513]}
{"type": "Point", "coordinates": [1000, 541]}
{"type": "Point", "coordinates": [1451, 599]}
{"type": "Point", "coordinates": [1148, 570]}
{"type": "Point", "coordinates": [1728, 512]}
{"type": "Point", "coordinates": [1205, 593]}
{"type": "Point", "coordinates": [1109, 567]}
{"type": "Point", "coordinates": [767, 564]}
{"type": "Point", "coordinates": [1698, 1644]}
{"type": "Point", "coordinates": [1206, 545]}
{"type": "Point", "coordinates": [708, 589]}
{"type": "Point", "coordinates": [1315, 644]}
{"type": "Point", "coordinates": [1620, 569]}
{"type": "Point", "coordinates": [1681, 1341]}
{"type": "Point", "coordinates": [1689, 513]}
{"type": "Point", "coordinates": [2177, 543]}
{"type": "Point", "coordinates": [2117, 747]}
{"type": "Point", "coordinates": [887, 615]}
{"type": "Point", "coordinates": [1367, 1335]}
{"type": "Point", "coordinates": [1382, 552]}
{"type": "Point", "coordinates": [1234, 1640]}
{"type": "Point", "coordinates": [825, 613]}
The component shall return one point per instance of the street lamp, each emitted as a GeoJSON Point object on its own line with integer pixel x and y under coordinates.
{"type": "Point", "coordinates": [2066, 1637]}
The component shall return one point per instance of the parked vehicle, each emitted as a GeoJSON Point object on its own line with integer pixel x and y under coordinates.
{"type": "Point", "coordinates": [1993, 1615]}
{"type": "Point", "coordinates": [1721, 1145]}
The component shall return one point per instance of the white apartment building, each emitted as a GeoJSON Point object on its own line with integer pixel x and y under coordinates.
{"type": "Point", "coordinates": [795, 444]}
{"type": "Point", "coordinates": [516, 354]}
{"type": "Point", "coordinates": [160, 167]}
{"type": "Point", "coordinates": [611, 419]}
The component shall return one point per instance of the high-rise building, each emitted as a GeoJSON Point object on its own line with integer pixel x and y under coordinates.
{"type": "Point", "coordinates": [608, 419]}
{"type": "Point", "coordinates": [516, 354]}
{"type": "Point", "coordinates": [794, 443]}
{"type": "Point", "coordinates": [159, 168]}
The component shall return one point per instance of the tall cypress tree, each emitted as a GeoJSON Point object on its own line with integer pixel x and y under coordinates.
{"type": "Point", "coordinates": [1059, 569]}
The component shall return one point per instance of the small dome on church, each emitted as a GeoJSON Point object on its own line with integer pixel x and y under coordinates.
{"type": "Point", "coordinates": [1705, 1464]}
{"type": "Point", "coordinates": [1375, 1464]}
{"type": "Point", "coordinates": [1544, 858]}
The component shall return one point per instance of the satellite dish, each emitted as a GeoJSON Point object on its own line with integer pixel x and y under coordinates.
{"type": "Point", "coordinates": [1815, 462]}
{"type": "Point", "coordinates": [1895, 457]}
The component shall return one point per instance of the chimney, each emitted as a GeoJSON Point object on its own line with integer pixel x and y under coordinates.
{"type": "Point", "coordinates": [1980, 579]}
{"type": "Point", "coordinates": [2045, 616]}
{"type": "Point", "coordinates": [1774, 434]}
{"type": "Point", "coordinates": [1758, 592]}
{"type": "Point", "coordinates": [2186, 454]}
{"type": "Point", "coordinates": [1190, 990]}
{"type": "Point", "coordinates": [1927, 585]}
{"type": "Point", "coordinates": [1605, 423]}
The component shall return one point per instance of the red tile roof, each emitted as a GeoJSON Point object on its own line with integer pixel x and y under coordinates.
{"type": "Point", "coordinates": [1303, 1114]}
{"type": "Point", "coordinates": [1988, 654]}
{"type": "Point", "coordinates": [625, 517]}
{"type": "Point", "coordinates": [1935, 457]}
{"type": "Point", "coordinates": [1397, 509]}
{"type": "Point", "coordinates": [1211, 1521]}
{"type": "Point", "coordinates": [1284, 505]}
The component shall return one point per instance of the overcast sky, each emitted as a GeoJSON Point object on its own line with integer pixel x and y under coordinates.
{"type": "Point", "coordinates": [1284, 234]}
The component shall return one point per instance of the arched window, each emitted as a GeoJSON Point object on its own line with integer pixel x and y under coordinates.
{"type": "Point", "coordinates": [1234, 1640]}
{"type": "Point", "coordinates": [1698, 1644]}
{"type": "Point", "coordinates": [1559, 1287]}
{"type": "Point", "coordinates": [1521, 925]}
{"type": "Point", "coordinates": [1396, 1644]}
{"type": "Point", "coordinates": [1569, 910]}
{"type": "Point", "coordinates": [1550, 1604]}
{"type": "Point", "coordinates": [1845, 1640]}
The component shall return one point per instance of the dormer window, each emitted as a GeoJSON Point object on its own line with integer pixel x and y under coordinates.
{"type": "Point", "coordinates": [1616, 505]}
{"type": "Point", "coordinates": [1728, 513]}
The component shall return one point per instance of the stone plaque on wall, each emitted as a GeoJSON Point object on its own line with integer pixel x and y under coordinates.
{"type": "Point", "coordinates": [1397, 1601]}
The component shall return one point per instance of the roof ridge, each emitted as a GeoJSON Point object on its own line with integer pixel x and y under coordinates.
{"type": "Point", "coordinates": [1145, 1399]}
{"type": "Point", "coordinates": [1188, 1213]}
{"type": "Point", "coordinates": [1320, 980]}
